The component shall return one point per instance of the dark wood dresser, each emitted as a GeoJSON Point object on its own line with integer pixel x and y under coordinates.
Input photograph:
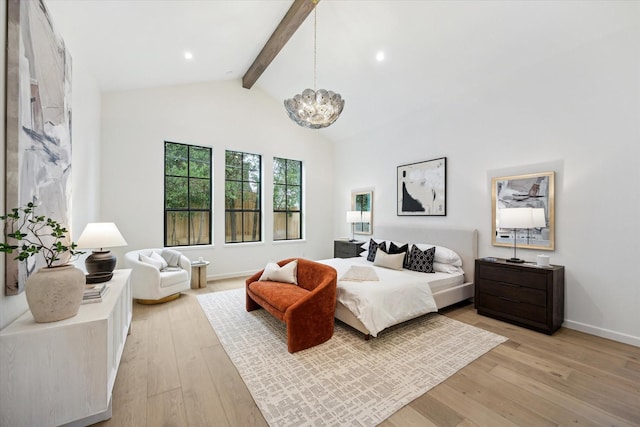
{"type": "Point", "coordinates": [522, 294]}
{"type": "Point", "coordinates": [346, 249]}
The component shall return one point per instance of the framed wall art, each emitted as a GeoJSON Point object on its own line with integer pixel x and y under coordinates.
{"type": "Point", "coordinates": [38, 123]}
{"type": "Point", "coordinates": [422, 188]}
{"type": "Point", "coordinates": [525, 191]}
{"type": "Point", "coordinates": [362, 201]}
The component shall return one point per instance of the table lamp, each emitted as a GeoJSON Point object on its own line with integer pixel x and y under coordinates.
{"type": "Point", "coordinates": [352, 218]}
{"type": "Point", "coordinates": [101, 263]}
{"type": "Point", "coordinates": [516, 218]}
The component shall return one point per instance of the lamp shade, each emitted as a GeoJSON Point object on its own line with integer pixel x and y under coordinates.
{"type": "Point", "coordinates": [354, 216]}
{"type": "Point", "coordinates": [539, 220]}
{"type": "Point", "coordinates": [101, 235]}
{"type": "Point", "coordinates": [516, 218]}
{"type": "Point", "coordinates": [366, 216]}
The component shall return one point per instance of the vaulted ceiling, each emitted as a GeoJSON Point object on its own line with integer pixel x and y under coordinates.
{"type": "Point", "coordinates": [435, 51]}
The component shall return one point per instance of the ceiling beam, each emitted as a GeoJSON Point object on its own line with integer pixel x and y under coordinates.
{"type": "Point", "coordinates": [295, 16]}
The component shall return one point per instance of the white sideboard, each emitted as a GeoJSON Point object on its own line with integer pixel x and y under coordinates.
{"type": "Point", "coordinates": [63, 372]}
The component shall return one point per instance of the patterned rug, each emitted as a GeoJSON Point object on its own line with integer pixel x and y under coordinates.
{"type": "Point", "coordinates": [347, 380]}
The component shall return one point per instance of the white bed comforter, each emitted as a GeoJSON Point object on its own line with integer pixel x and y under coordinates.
{"type": "Point", "coordinates": [396, 297]}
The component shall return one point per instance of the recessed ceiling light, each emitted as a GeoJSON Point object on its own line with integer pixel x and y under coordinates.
{"type": "Point", "coordinates": [380, 56]}
{"type": "Point", "coordinates": [188, 55]}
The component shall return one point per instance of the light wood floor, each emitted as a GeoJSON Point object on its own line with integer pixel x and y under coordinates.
{"type": "Point", "coordinates": [174, 372]}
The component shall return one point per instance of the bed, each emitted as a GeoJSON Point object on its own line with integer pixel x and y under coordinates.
{"type": "Point", "coordinates": [405, 291]}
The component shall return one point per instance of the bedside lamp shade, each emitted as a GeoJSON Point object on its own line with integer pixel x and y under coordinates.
{"type": "Point", "coordinates": [516, 218]}
{"type": "Point", "coordinates": [353, 217]}
{"type": "Point", "coordinates": [101, 262]}
{"type": "Point", "coordinates": [539, 219]}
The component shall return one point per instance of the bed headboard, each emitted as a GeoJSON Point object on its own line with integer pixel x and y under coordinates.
{"type": "Point", "coordinates": [464, 242]}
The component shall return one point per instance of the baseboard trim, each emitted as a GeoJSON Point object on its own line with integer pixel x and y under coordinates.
{"type": "Point", "coordinates": [235, 275]}
{"type": "Point", "coordinates": [601, 332]}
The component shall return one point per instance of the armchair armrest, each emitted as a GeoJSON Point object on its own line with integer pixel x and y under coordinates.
{"type": "Point", "coordinates": [185, 264]}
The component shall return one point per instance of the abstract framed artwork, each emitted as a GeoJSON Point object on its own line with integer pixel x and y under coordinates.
{"type": "Point", "coordinates": [422, 188]}
{"type": "Point", "coordinates": [535, 191]}
{"type": "Point", "coordinates": [38, 123]}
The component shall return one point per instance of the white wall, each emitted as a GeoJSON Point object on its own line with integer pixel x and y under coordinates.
{"type": "Point", "coordinates": [85, 163]}
{"type": "Point", "coordinates": [576, 114]}
{"type": "Point", "coordinates": [224, 116]}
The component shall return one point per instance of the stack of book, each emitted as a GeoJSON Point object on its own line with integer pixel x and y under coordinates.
{"type": "Point", "coordinates": [94, 293]}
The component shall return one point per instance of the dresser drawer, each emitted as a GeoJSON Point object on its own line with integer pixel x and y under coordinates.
{"type": "Point", "coordinates": [343, 253]}
{"type": "Point", "coordinates": [529, 278]}
{"type": "Point", "coordinates": [512, 310]}
{"type": "Point", "coordinates": [515, 293]}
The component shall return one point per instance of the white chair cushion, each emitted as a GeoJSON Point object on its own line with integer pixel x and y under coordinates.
{"type": "Point", "coordinates": [170, 278]}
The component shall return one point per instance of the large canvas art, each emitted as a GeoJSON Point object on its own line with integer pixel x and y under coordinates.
{"type": "Point", "coordinates": [422, 188]}
{"type": "Point", "coordinates": [525, 191]}
{"type": "Point", "coordinates": [38, 125]}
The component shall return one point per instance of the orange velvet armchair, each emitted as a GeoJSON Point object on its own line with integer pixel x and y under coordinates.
{"type": "Point", "coordinates": [307, 309]}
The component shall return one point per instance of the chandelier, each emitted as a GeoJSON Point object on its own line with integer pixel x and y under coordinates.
{"type": "Point", "coordinates": [315, 109]}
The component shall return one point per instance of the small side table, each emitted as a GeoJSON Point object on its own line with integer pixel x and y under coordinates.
{"type": "Point", "coordinates": [346, 249]}
{"type": "Point", "coordinates": [199, 274]}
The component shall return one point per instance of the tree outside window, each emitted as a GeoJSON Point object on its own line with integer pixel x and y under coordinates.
{"type": "Point", "coordinates": [187, 194]}
{"type": "Point", "coordinates": [287, 199]}
{"type": "Point", "coordinates": [243, 211]}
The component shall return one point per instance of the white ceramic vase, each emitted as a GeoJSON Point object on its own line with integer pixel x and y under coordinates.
{"type": "Point", "coordinates": [55, 293]}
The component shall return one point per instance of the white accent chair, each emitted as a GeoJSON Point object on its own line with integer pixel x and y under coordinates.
{"type": "Point", "coordinates": [150, 285]}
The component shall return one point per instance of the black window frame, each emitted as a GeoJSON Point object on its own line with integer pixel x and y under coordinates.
{"type": "Point", "coordinates": [286, 192]}
{"type": "Point", "coordinates": [242, 209]}
{"type": "Point", "coordinates": [189, 210]}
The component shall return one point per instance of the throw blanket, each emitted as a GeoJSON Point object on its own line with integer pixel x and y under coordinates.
{"type": "Point", "coordinates": [398, 295]}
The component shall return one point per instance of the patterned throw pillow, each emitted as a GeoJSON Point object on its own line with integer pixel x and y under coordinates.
{"type": "Point", "coordinates": [373, 247]}
{"type": "Point", "coordinates": [421, 261]}
{"type": "Point", "coordinates": [393, 249]}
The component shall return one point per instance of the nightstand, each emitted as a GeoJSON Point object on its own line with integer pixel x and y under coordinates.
{"type": "Point", "coordinates": [522, 294]}
{"type": "Point", "coordinates": [346, 249]}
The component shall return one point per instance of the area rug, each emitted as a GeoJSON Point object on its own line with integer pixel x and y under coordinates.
{"type": "Point", "coordinates": [347, 380]}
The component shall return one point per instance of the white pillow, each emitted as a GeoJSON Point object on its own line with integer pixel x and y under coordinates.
{"type": "Point", "coordinates": [393, 261]}
{"type": "Point", "coordinates": [150, 261]}
{"type": "Point", "coordinates": [288, 273]}
{"type": "Point", "coordinates": [443, 255]}
{"type": "Point", "coordinates": [360, 273]}
{"type": "Point", "coordinates": [364, 254]}
{"type": "Point", "coordinates": [159, 258]}
{"type": "Point", "coordinates": [172, 257]}
{"type": "Point", "coordinates": [446, 268]}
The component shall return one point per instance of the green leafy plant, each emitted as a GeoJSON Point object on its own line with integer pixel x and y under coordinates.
{"type": "Point", "coordinates": [35, 234]}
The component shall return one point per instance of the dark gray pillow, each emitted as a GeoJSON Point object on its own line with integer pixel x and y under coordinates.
{"type": "Point", "coordinates": [422, 261]}
{"type": "Point", "coordinates": [393, 249]}
{"type": "Point", "coordinates": [373, 247]}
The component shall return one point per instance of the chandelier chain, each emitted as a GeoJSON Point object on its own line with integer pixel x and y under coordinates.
{"type": "Point", "coordinates": [317, 108]}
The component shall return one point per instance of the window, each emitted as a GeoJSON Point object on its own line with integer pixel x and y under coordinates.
{"type": "Point", "coordinates": [187, 195]}
{"type": "Point", "coordinates": [242, 192]}
{"type": "Point", "coordinates": [287, 199]}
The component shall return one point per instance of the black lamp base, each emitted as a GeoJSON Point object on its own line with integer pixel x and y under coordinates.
{"type": "Point", "coordinates": [516, 260]}
{"type": "Point", "coordinates": [100, 262]}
